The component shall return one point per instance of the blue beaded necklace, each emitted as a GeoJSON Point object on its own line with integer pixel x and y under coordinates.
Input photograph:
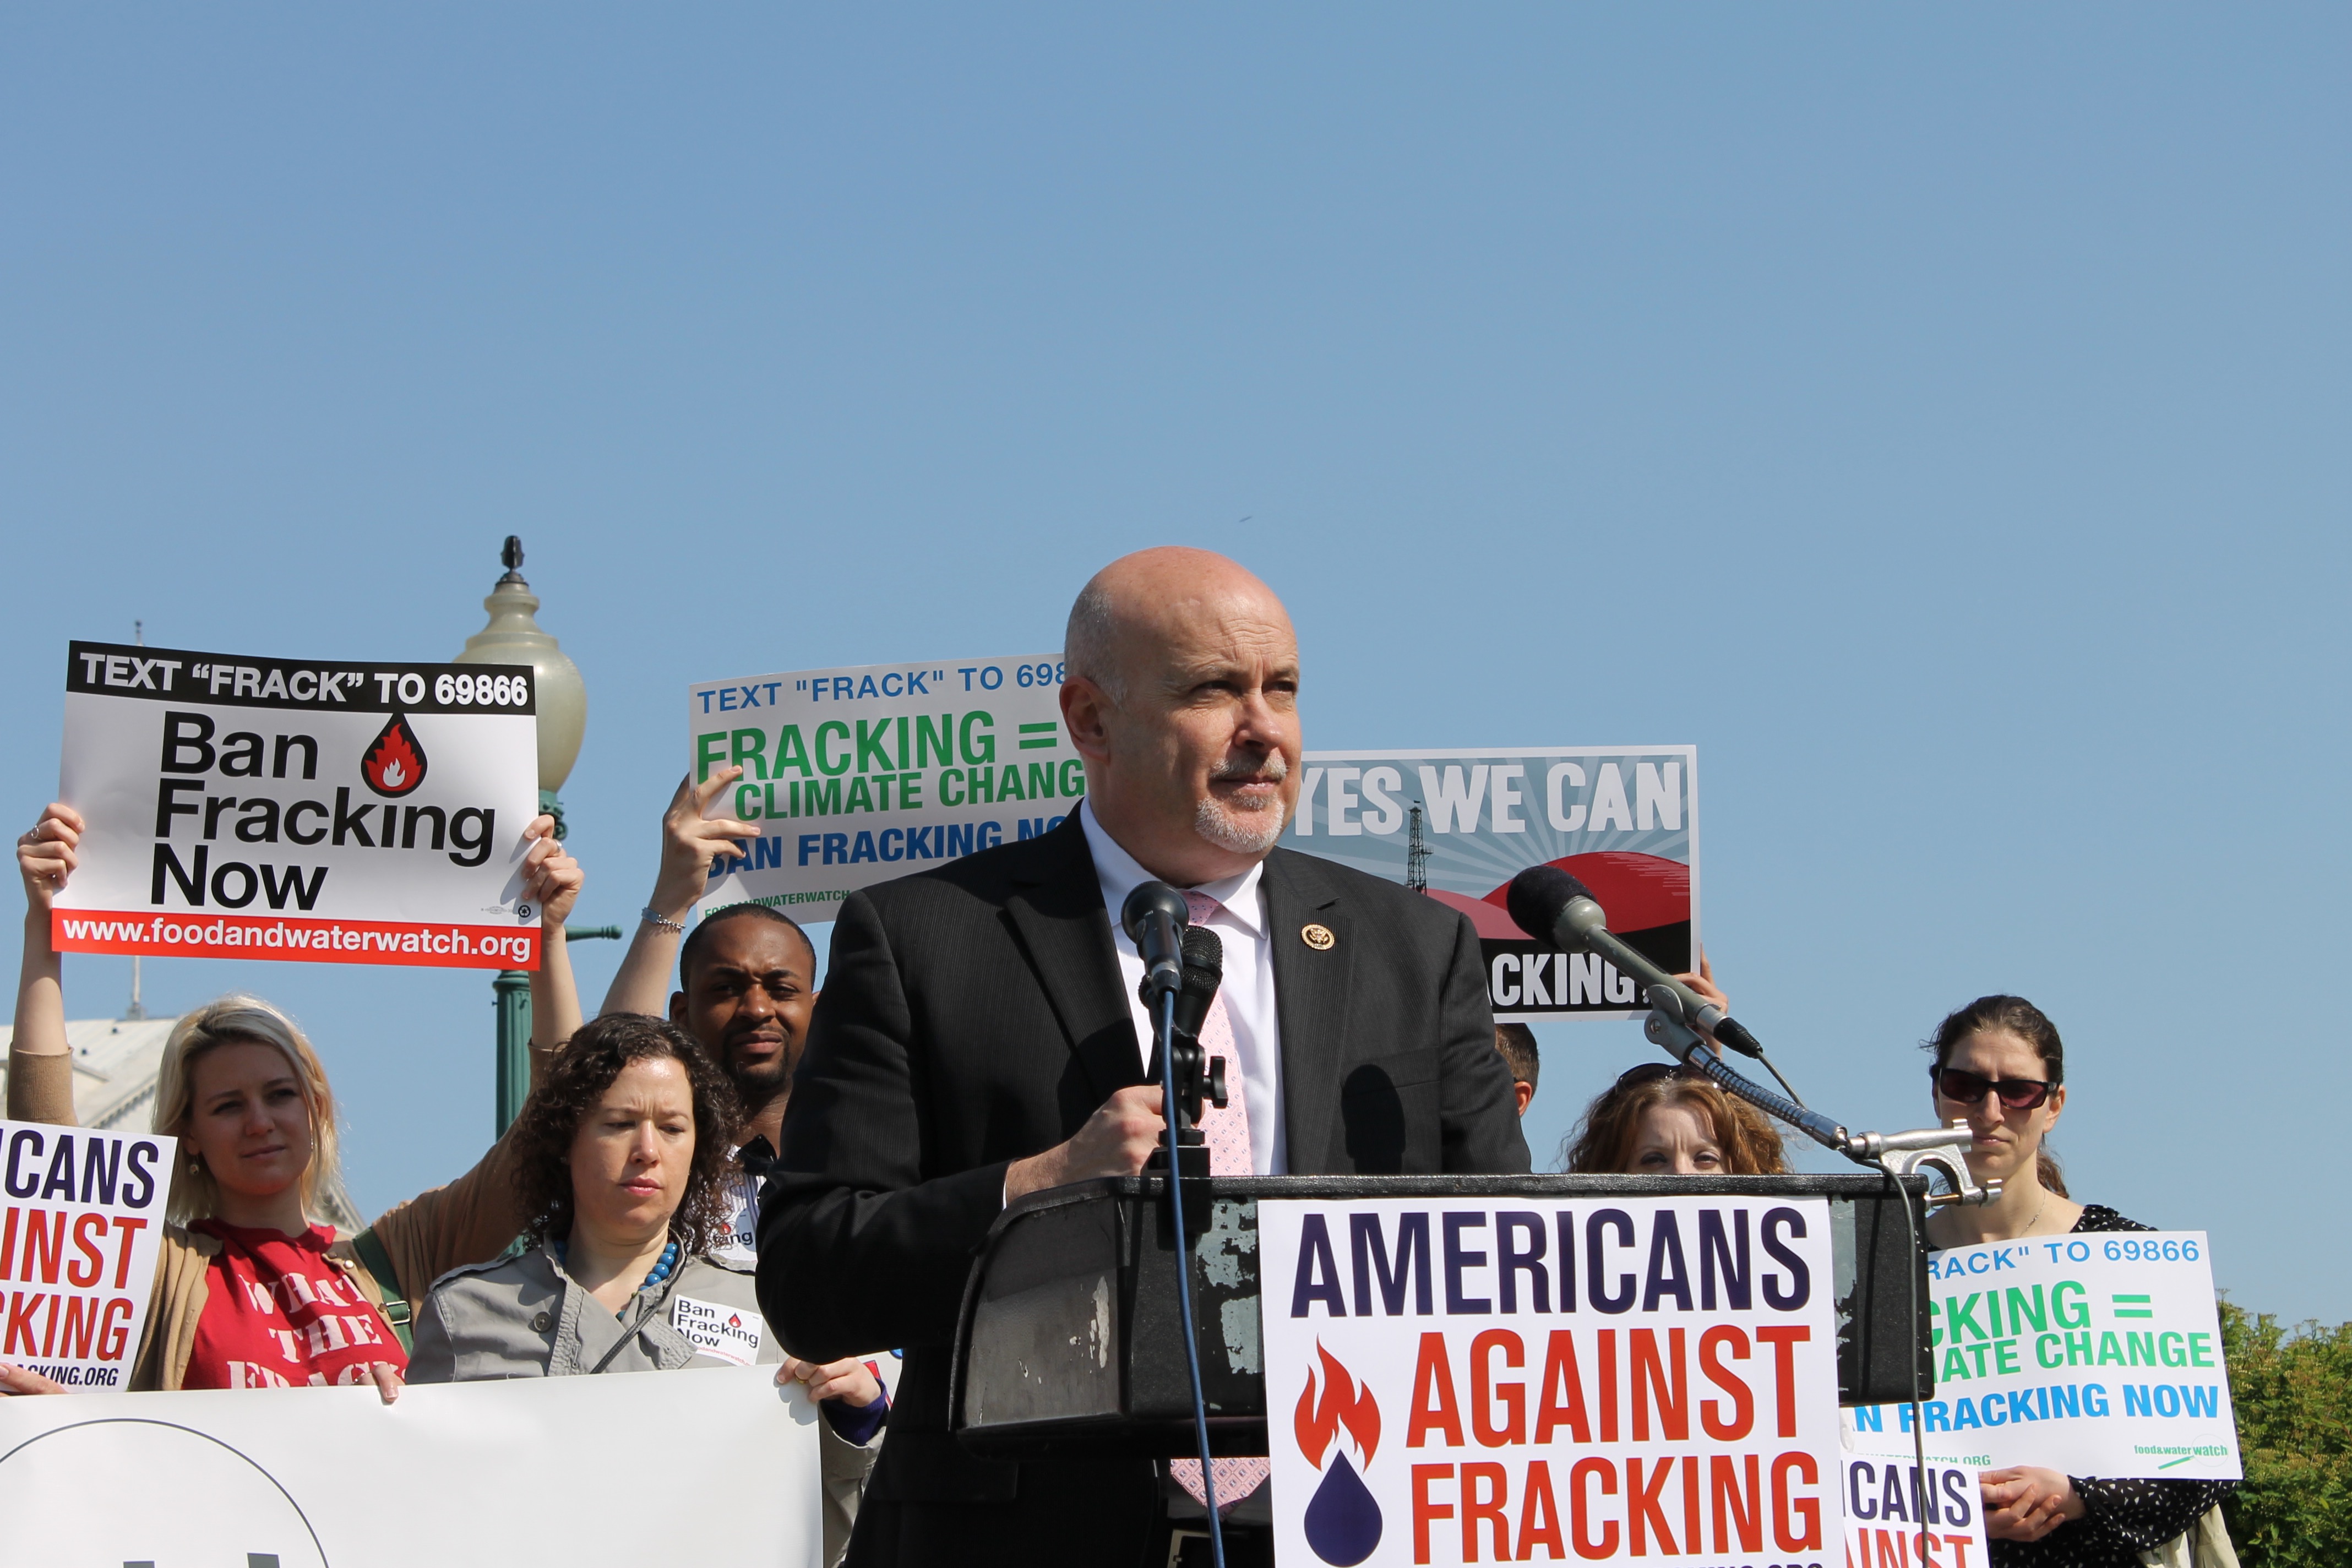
{"type": "Point", "coordinates": [561, 1247]}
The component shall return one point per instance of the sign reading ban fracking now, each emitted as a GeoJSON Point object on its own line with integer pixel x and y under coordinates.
{"type": "Point", "coordinates": [244, 807]}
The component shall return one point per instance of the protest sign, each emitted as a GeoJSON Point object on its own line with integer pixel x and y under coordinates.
{"type": "Point", "coordinates": [84, 1218]}
{"type": "Point", "coordinates": [2096, 1354]}
{"type": "Point", "coordinates": [1458, 826]}
{"type": "Point", "coordinates": [535, 1470]}
{"type": "Point", "coordinates": [1450, 1380]}
{"type": "Point", "coordinates": [859, 775]}
{"type": "Point", "coordinates": [317, 809]}
{"type": "Point", "coordinates": [1893, 1515]}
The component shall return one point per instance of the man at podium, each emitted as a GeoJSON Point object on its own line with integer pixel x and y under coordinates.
{"type": "Point", "coordinates": [979, 1037]}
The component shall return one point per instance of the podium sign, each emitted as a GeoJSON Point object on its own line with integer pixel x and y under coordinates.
{"type": "Point", "coordinates": [1503, 1377]}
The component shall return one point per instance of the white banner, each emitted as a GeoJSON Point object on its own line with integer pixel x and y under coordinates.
{"type": "Point", "coordinates": [710, 1466]}
{"type": "Point", "coordinates": [1892, 1516]}
{"type": "Point", "coordinates": [1464, 1380]}
{"type": "Point", "coordinates": [1458, 826]}
{"type": "Point", "coordinates": [84, 1218]}
{"type": "Point", "coordinates": [2097, 1354]}
{"type": "Point", "coordinates": [860, 774]}
{"type": "Point", "coordinates": [246, 807]}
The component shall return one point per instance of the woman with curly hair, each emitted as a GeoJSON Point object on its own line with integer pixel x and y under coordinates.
{"type": "Point", "coordinates": [621, 1159]}
{"type": "Point", "coordinates": [1663, 1120]}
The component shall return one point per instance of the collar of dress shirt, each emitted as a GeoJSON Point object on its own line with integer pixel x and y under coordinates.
{"type": "Point", "coordinates": [1119, 875]}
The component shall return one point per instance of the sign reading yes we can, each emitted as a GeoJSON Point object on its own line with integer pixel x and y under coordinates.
{"type": "Point", "coordinates": [2097, 1354]}
{"type": "Point", "coordinates": [78, 1234]}
{"type": "Point", "coordinates": [245, 807]}
{"type": "Point", "coordinates": [1466, 1380]}
{"type": "Point", "coordinates": [1458, 826]}
{"type": "Point", "coordinates": [856, 775]}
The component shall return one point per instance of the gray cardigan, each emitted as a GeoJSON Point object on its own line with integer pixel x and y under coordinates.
{"type": "Point", "coordinates": [522, 1316]}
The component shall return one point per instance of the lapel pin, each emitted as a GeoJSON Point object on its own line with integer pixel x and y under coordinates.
{"type": "Point", "coordinates": [1318, 937]}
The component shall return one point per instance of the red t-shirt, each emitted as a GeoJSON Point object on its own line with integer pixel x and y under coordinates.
{"type": "Point", "coordinates": [279, 1314]}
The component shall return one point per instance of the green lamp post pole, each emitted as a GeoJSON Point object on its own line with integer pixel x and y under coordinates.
{"type": "Point", "coordinates": [513, 636]}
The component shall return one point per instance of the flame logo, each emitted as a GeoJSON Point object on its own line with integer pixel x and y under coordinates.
{"type": "Point", "coordinates": [393, 763]}
{"type": "Point", "coordinates": [1345, 1403]}
{"type": "Point", "coordinates": [1342, 1522]}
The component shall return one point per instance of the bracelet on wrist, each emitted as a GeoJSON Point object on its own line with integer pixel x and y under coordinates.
{"type": "Point", "coordinates": [651, 918]}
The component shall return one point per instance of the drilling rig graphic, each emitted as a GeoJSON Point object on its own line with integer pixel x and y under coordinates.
{"type": "Point", "coordinates": [1416, 856]}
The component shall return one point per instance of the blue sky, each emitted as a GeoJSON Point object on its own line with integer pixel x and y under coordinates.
{"type": "Point", "coordinates": [1937, 417]}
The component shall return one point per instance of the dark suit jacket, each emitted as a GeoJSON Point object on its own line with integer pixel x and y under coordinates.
{"type": "Point", "coordinates": [974, 1015]}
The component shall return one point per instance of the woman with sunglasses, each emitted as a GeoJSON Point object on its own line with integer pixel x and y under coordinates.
{"type": "Point", "coordinates": [2000, 1064]}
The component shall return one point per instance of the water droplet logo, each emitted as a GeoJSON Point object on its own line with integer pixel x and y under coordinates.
{"type": "Point", "coordinates": [1343, 1518]}
{"type": "Point", "coordinates": [393, 763]}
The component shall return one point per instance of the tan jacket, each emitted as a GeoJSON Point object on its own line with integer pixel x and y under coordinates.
{"type": "Point", "coordinates": [472, 1219]}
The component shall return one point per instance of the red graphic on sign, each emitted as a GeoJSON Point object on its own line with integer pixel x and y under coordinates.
{"type": "Point", "coordinates": [1345, 1403]}
{"type": "Point", "coordinates": [393, 763]}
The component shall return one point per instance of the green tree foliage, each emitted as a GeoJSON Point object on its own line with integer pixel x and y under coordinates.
{"type": "Point", "coordinates": [2292, 1389]}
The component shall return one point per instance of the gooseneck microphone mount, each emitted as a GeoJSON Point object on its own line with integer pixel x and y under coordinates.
{"type": "Point", "coordinates": [1156, 918]}
{"type": "Point", "coordinates": [1551, 905]}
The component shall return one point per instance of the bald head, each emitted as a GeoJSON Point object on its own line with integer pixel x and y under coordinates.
{"type": "Point", "coordinates": [1183, 698]}
{"type": "Point", "coordinates": [1131, 605]}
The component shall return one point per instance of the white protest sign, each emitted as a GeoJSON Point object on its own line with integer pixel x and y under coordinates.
{"type": "Point", "coordinates": [2096, 1354]}
{"type": "Point", "coordinates": [78, 1236]}
{"type": "Point", "coordinates": [860, 774]}
{"type": "Point", "coordinates": [1893, 1517]}
{"type": "Point", "coordinates": [1459, 1380]}
{"type": "Point", "coordinates": [535, 1470]}
{"type": "Point", "coordinates": [247, 807]}
{"type": "Point", "coordinates": [1458, 826]}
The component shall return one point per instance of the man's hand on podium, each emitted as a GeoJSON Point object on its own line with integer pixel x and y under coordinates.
{"type": "Point", "coordinates": [1116, 1142]}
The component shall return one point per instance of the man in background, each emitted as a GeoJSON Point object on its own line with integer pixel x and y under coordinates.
{"type": "Point", "coordinates": [1517, 1044]}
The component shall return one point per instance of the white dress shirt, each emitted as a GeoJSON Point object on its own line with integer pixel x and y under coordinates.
{"type": "Point", "coordinates": [1247, 988]}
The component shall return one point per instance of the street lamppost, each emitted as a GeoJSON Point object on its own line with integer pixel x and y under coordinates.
{"type": "Point", "coordinates": [513, 636]}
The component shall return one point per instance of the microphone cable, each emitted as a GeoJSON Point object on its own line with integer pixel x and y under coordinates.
{"type": "Point", "coordinates": [1184, 1275]}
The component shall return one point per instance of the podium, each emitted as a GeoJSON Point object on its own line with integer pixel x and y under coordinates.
{"type": "Point", "coordinates": [1068, 1344]}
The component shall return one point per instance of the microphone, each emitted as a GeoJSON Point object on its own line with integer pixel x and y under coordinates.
{"type": "Point", "coordinates": [1196, 1079]}
{"type": "Point", "coordinates": [1551, 905]}
{"type": "Point", "coordinates": [1204, 971]}
{"type": "Point", "coordinates": [1154, 919]}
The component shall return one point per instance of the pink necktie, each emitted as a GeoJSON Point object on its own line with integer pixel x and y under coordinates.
{"type": "Point", "coordinates": [1227, 1133]}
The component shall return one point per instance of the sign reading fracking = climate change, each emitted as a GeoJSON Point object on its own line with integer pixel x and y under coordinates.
{"type": "Point", "coordinates": [2097, 1354]}
{"type": "Point", "coordinates": [858, 774]}
{"type": "Point", "coordinates": [316, 809]}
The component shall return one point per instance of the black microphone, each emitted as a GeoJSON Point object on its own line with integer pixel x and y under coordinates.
{"type": "Point", "coordinates": [1551, 905]}
{"type": "Point", "coordinates": [1204, 971]}
{"type": "Point", "coordinates": [1154, 919]}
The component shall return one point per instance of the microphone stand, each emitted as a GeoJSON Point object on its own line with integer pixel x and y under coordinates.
{"type": "Point", "coordinates": [1895, 1154]}
{"type": "Point", "coordinates": [1164, 1022]}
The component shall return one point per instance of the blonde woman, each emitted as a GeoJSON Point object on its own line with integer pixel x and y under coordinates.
{"type": "Point", "coordinates": [249, 1292]}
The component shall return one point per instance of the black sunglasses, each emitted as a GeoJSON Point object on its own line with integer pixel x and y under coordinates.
{"type": "Point", "coordinates": [1649, 1072]}
{"type": "Point", "coordinates": [1969, 1088]}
